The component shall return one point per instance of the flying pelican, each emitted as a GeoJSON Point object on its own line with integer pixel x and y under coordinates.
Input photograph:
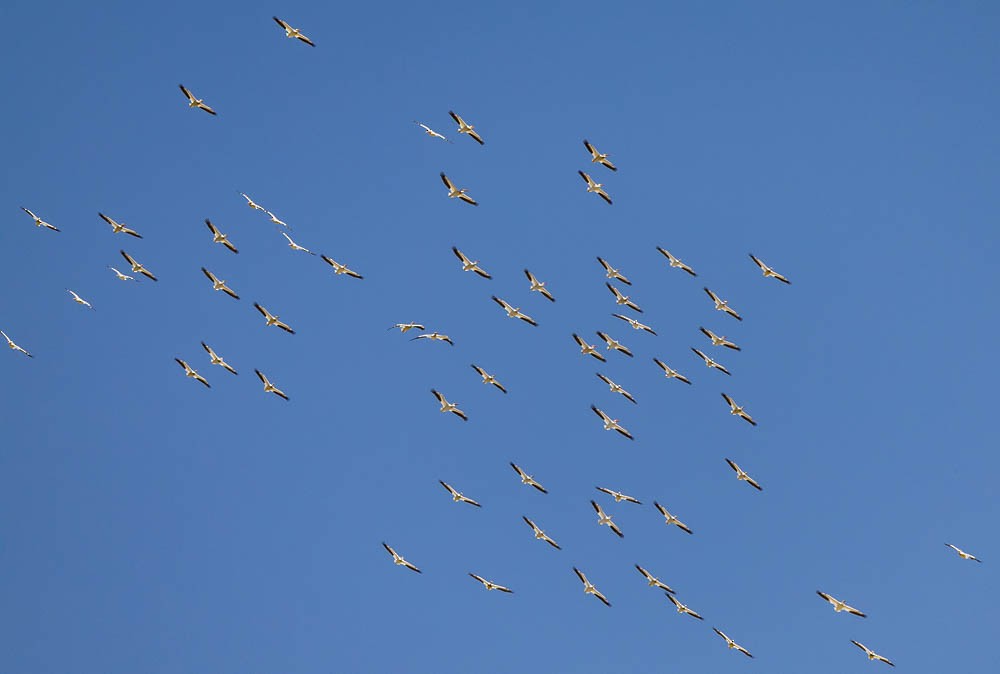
{"type": "Point", "coordinates": [768, 272]}
{"type": "Point", "coordinates": [596, 188]}
{"type": "Point", "coordinates": [618, 496]}
{"type": "Point", "coordinates": [219, 237]}
{"type": "Point", "coordinates": [39, 222]}
{"type": "Point", "coordinates": [466, 128]}
{"type": "Point", "coordinates": [457, 496]}
{"type": "Point", "coordinates": [719, 341]}
{"type": "Point", "coordinates": [539, 534]}
{"type": "Point", "coordinates": [252, 204]}
{"type": "Point", "coordinates": [341, 268]}
{"type": "Point", "coordinates": [449, 407]}
{"type": "Point", "coordinates": [488, 378]}
{"type": "Point", "coordinates": [597, 157]}
{"type": "Point", "coordinates": [653, 580]}
{"type": "Point", "coordinates": [636, 325]}
{"type": "Point", "coordinates": [614, 344]}
{"type": "Point", "coordinates": [275, 220]}
{"type": "Point", "coordinates": [14, 346]}
{"type": "Point", "coordinates": [295, 246]}
{"type": "Point", "coordinates": [191, 372]}
{"type": "Point", "coordinates": [588, 587]}
{"type": "Point", "coordinates": [398, 560]}
{"type": "Point", "coordinates": [216, 360]}
{"type": "Point", "coordinates": [611, 424]}
{"type": "Point", "coordinates": [431, 132]}
{"type": "Point", "coordinates": [123, 277]}
{"type": "Point", "coordinates": [839, 606]}
{"type": "Point", "coordinates": [732, 644]}
{"type": "Point", "coordinates": [872, 655]}
{"type": "Point", "coordinates": [433, 336]}
{"type": "Point", "coordinates": [271, 319]}
{"type": "Point", "coordinates": [681, 608]}
{"type": "Point", "coordinates": [79, 300]}
{"type": "Point", "coordinates": [622, 299]}
{"type": "Point", "coordinates": [527, 479]}
{"type": "Point", "coordinates": [709, 362]}
{"type": "Point", "coordinates": [293, 32]}
{"type": "Point", "coordinates": [738, 411]}
{"type": "Point", "coordinates": [492, 586]}
{"type": "Point", "coordinates": [218, 284]}
{"type": "Point", "coordinates": [403, 327]}
{"type": "Point", "coordinates": [538, 286]}
{"type": "Point", "coordinates": [119, 227]}
{"type": "Point", "coordinates": [675, 262]}
{"type": "Point", "coordinates": [469, 265]}
{"type": "Point", "coordinates": [514, 312]}
{"type": "Point", "coordinates": [671, 373]}
{"type": "Point", "coordinates": [588, 349]}
{"type": "Point", "coordinates": [613, 273]}
{"type": "Point", "coordinates": [670, 519]}
{"type": "Point", "coordinates": [196, 102]}
{"type": "Point", "coordinates": [269, 387]}
{"type": "Point", "coordinates": [615, 388]}
{"type": "Point", "coordinates": [454, 192]}
{"type": "Point", "coordinates": [721, 305]}
{"type": "Point", "coordinates": [742, 475]}
{"type": "Point", "coordinates": [136, 267]}
{"type": "Point", "coordinates": [963, 554]}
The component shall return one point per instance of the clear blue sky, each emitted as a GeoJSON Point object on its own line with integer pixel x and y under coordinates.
{"type": "Point", "coordinates": [150, 524]}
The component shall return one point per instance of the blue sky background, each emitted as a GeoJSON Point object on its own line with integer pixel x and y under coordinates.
{"type": "Point", "coordinates": [152, 525]}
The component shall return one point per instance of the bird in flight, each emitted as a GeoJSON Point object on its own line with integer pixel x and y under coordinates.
{"type": "Point", "coordinates": [457, 496]}
{"type": "Point", "coordinates": [272, 319]}
{"type": "Point", "coordinates": [123, 277]}
{"type": "Point", "coordinates": [341, 268]}
{"type": "Point", "coordinates": [588, 349]}
{"type": "Point", "coordinates": [718, 340]}
{"type": "Point", "coordinates": [675, 262]}
{"type": "Point", "coordinates": [252, 204]}
{"type": "Point", "coordinates": [671, 373]}
{"type": "Point", "coordinates": [454, 192]}
{"type": "Point", "coordinates": [433, 336]}
{"type": "Point", "coordinates": [295, 246]}
{"type": "Point", "coordinates": [192, 373]}
{"type": "Point", "coordinates": [219, 284]}
{"type": "Point", "coordinates": [216, 360]}
{"type": "Point", "coordinates": [588, 587]}
{"type": "Point", "coordinates": [514, 312]}
{"type": "Point", "coordinates": [403, 327]}
{"type": "Point", "coordinates": [466, 128]}
{"type": "Point", "coordinates": [615, 388]}
{"type": "Point", "coordinates": [119, 227]}
{"type": "Point", "coordinates": [613, 273]}
{"type": "Point", "coordinates": [738, 411]}
{"type": "Point", "coordinates": [636, 325]}
{"type": "Point", "coordinates": [839, 606]}
{"type": "Point", "coordinates": [79, 300]}
{"type": "Point", "coordinates": [622, 299]}
{"type": "Point", "coordinates": [618, 496]}
{"type": "Point", "coordinates": [293, 32]}
{"type": "Point", "coordinates": [596, 188]}
{"type": "Point", "coordinates": [527, 479]}
{"type": "Point", "coordinates": [614, 344]}
{"type": "Point", "coordinates": [721, 305]}
{"type": "Point", "coordinates": [136, 267]}
{"type": "Point", "coordinates": [449, 407]}
{"type": "Point", "coordinates": [469, 265]}
{"type": "Point", "coordinates": [14, 346]}
{"type": "Point", "coordinates": [39, 222]}
{"type": "Point", "coordinates": [653, 580]}
{"type": "Point", "coordinates": [196, 102]}
{"type": "Point", "coordinates": [275, 219]}
{"type": "Point", "coordinates": [872, 655]}
{"type": "Point", "coordinates": [681, 608]}
{"type": "Point", "coordinates": [742, 475]}
{"type": "Point", "coordinates": [768, 272]}
{"type": "Point", "coordinates": [398, 559]}
{"type": "Point", "coordinates": [431, 132]}
{"type": "Point", "coordinates": [670, 519]}
{"type": "Point", "coordinates": [488, 378]}
{"type": "Point", "coordinates": [538, 286]}
{"type": "Point", "coordinates": [963, 554]}
{"type": "Point", "coordinates": [709, 362]}
{"type": "Point", "coordinates": [269, 387]}
{"type": "Point", "coordinates": [732, 644]}
{"type": "Point", "coordinates": [489, 585]}
{"type": "Point", "coordinates": [597, 157]}
{"type": "Point", "coordinates": [611, 424]}
{"type": "Point", "coordinates": [219, 237]}
{"type": "Point", "coordinates": [539, 534]}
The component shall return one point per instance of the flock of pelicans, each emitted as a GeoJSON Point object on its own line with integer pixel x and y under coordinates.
{"type": "Point", "coordinates": [586, 349]}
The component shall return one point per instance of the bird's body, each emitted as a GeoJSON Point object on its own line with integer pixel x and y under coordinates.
{"type": "Point", "coordinates": [671, 373]}
{"type": "Point", "coordinates": [269, 387]}
{"type": "Point", "coordinates": [619, 496]}
{"type": "Point", "coordinates": [272, 319]}
{"type": "Point", "coordinates": [636, 325]}
{"type": "Point", "coordinates": [839, 606]}
{"type": "Point", "coordinates": [457, 496]}
{"type": "Point", "coordinates": [455, 193]}
{"type": "Point", "coordinates": [768, 272]}
{"type": "Point", "coordinates": [681, 608]}
{"type": "Point", "coordinates": [465, 128]}
{"type": "Point", "coordinates": [675, 262]}
{"type": "Point", "coordinates": [653, 581]}
{"type": "Point", "coordinates": [136, 267]}
{"type": "Point", "coordinates": [405, 327]}
{"type": "Point", "coordinates": [490, 585]}
{"type": "Point", "coordinates": [433, 336]}
{"type": "Point", "coordinates": [195, 102]}
{"type": "Point", "coordinates": [539, 534]}
{"type": "Point", "coordinates": [588, 587]}
{"type": "Point", "coordinates": [470, 265]}
{"type": "Point", "coordinates": [293, 33]}
{"type": "Point", "coordinates": [398, 560]}
{"type": "Point", "coordinates": [119, 227]}
{"type": "Point", "coordinates": [738, 411]}
{"type": "Point", "coordinates": [538, 287]}
{"type": "Point", "coordinates": [611, 424]}
{"type": "Point", "coordinates": [39, 222]}
{"type": "Point", "coordinates": [614, 344]}
{"type": "Point", "coordinates": [527, 479]}
{"type": "Point", "coordinates": [275, 219]}
{"type": "Point", "coordinates": [709, 362]}
{"type": "Point", "coordinates": [615, 388]}
{"type": "Point", "coordinates": [79, 300]}
{"type": "Point", "coordinates": [514, 312]}
{"type": "Point", "coordinates": [612, 273]}
{"type": "Point", "coordinates": [488, 378]}
{"type": "Point", "coordinates": [296, 247]}
{"type": "Point", "coordinates": [623, 299]}
{"type": "Point", "coordinates": [449, 407]}
{"type": "Point", "coordinates": [669, 519]}
{"type": "Point", "coordinates": [216, 359]}
{"type": "Point", "coordinates": [743, 476]}
{"type": "Point", "coordinates": [430, 132]}
{"type": "Point", "coordinates": [598, 157]}
{"type": "Point", "coordinates": [192, 373]}
{"type": "Point", "coordinates": [718, 340]}
{"type": "Point", "coordinates": [588, 349]}
{"type": "Point", "coordinates": [13, 346]}
{"type": "Point", "coordinates": [219, 237]}
{"type": "Point", "coordinates": [219, 284]}
{"type": "Point", "coordinates": [595, 187]}
{"type": "Point", "coordinates": [872, 655]}
{"type": "Point", "coordinates": [121, 276]}
{"type": "Point", "coordinates": [252, 204]}
{"type": "Point", "coordinates": [732, 644]}
{"type": "Point", "coordinates": [963, 554]}
{"type": "Point", "coordinates": [340, 268]}
{"type": "Point", "coordinates": [722, 305]}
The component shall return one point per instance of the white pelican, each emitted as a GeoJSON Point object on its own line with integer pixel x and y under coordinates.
{"type": "Point", "coordinates": [457, 496]}
{"type": "Point", "coordinates": [613, 273]}
{"type": "Point", "coordinates": [622, 299]}
{"type": "Point", "coordinates": [709, 362]}
{"type": "Point", "coordinates": [839, 606]}
{"type": "Point", "coordinates": [675, 262]}
{"type": "Point", "coordinates": [295, 246]}
{"type": "Point", "coordinates": [293, 32]}
{"type": "Point", "coordinates": [963, 554]}
{"type": "Point", "coordinates": [466, 128]}
{"type": "Point", "coordinates": [588, 587]}
{"type": "Point", "coordinates": [403, 327]}
{"type": "Point", "coordinates": [539, 534]}
{"type": "Point", "coordinates": [191, 372]}
{"type": "Point", "coordinates": [588, 349]}
{"type": "Point", "coordinates": [718, 340]}
{"type": "Point", "coordinates": [618, 496]}
{"type": "Point", "coordinates": [219, 284]}
{"type": "Point", "coordinates": [538, 286]}
{"type": "Point", "coordinates": [768, 272]}
{"type": "Point", "coordinates": [742, 475]}
{"type": "Point", "coordinates": [681, 608]}
{"type": "Point", "coordinates": [615, 388]}
{"type": "Point", "coordinates": [219, 237]}
{"type": "Point", "coordinates": [79, 300]}
{"type": "Point", "coordinates": [433, 336]}
{"type": "Point", "coordinates": [469, 265]}
{"type": "Point", "coordinates": [216, 360]}
{"type": "Point", "coordinates": [738, 411]}
{"type": "Point", "coordinates": [449, 407]}
{"type": "Point", "coordinates": [488, 378]}
{"type": "Point", "coordinates": [491, 585]}
{"type": "Point", "coordinates": [454, 192]}
{"type": "Point", "coordinates": [670, 519]}
{"type": "Point", "coordinates": [274, 219]}
{"type": "Point", "coordinates": [269, 387]}
{"type": "Point", "coordinates": [398, 559]}
{"type": "Point", "coordinates": [252, 204]}
{"type": "Point", "coordinates": [119, 227]}
{"type": "Point", "coordinates": [872, 655]}
{"type": "Point", "coordinates": [39, 222]}
{"type": "Point", "coordinates": [614, 344]}
{"type": "Point", "coordinates": [732, 644]}
{"type": "Point", "coordinates": [123, 277]}
{"type": "Point", "coordinates": [341, 268]}
{"type": "Point", "coordinates": [14, 346]}
{"type": "Point", "coordinates": [514, 312]}
{"type": "Point", "coordinates": [527, 479]}
{"type": "Point", "coordinates": [611, 424]}
{"type": "Point", "coordinates": [671, 373]}
{"type": "Point", "coordinates": [721, 305]}
{"type": "Point", "coordinates": [271, 319]}
{"type": "Point", "coordinates": [653, 580]}
{"type": "Point", "coordinates": [596, 188]}
{"type": "Point", "coordinates": [636, 325]}
{"type": "Point", "coordinates": [196, 102]}
{"type": "Point", "coordinates": [597, 157]}
{"type": "Point", "coordinates": [431, 132]}
{"type": "Point", "coordinates": [136, 267]}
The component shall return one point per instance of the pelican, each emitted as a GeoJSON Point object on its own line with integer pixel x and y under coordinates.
{"type": "Point", "coordinates": [653, 580]}
{"type": "Point", "coordinates": [123, 277]}
{"type": "Point", "coordinates": [597, 157]}
{"type": "Point", "coordinates": [433, 336]}
{"type": "Point", "coordinates": [469, 265]}
{"type": "Point", "coordinates": [271, 319]}
{"type": "Point", "coordinates": [457, 496]}
{"type": "Point", "coordinates": [622, 299]}
{"type": "Point", "coordinates": [611, 424]}
{"type": "Point", "coordinates": [671, 373]}
{"type": "Point", "coordinates": [538, 286]}
{"type": "Point", "coordinates": [216, 360]}
{"type": "Point", "coordinates": [196, 102]}
{"type": "Point", "coordinates": [738, 411]}
{"type": "Point", "coordinates": [963, 554]}
{"type": "Point", "coordinates": [449, 407]}
{"type": "Point", "coordinates": [218, 284]}
{"type": "Point", "coordinates": [466, 128]}
{"type": "Point", "coordinates": [613, 273]}
{"type": "Point", "coordinates": [742, 475]}
{"type": "Point", "coordinates": [119, 227]}
{"type": "Point", "coordinates": [721, 305]}
{"type": "Point", "coordinates": [136, 267]}
{"type": "Point", "coordinates": [596, 188]}
{"type": "Point", "coordinates": [398, 559]}
{"type": "Point", "coordinates": [269, 387]}
{"type": "Point", "coordinates": [219, 237]}
{"type": "Point", "coordinates": [274, 219]}
{"type": "Point", "coordinates": [79, 300]}
{"type": "Point", "coordinates": [732, 644]}
{"type": "Point", "coordinates": [539, 534]}
{"type": "Point", "coordinates": [14, 346]}
{"type": "Point", "coordinates": [491, 585]}
{"type": "Point", "coordinates": [618, 496]}
{"type": "Point", "coordinates": [341, 268]}
{"type": "Point", "coordinates": [431, 132]}
{"type": "Point", "coordinates": [768, 272]}
{"type": "Point", "coordinates": [191, 372]}
{"type": "Point", "coordinates": [675, 262]}
{"type": "Point", "coordinates": [872, 655]}
{"type": "Point", "coordinates": [670, 519]}
{"type": "Point", "coordinates": [588, 349]}
{"type": "Point", "coordinates": [614, 344]}
{"type": "Point", "coordinates": [488, 378]}
{"type": "Point", "coordinates": [709, 362]}
{"type": "Point", "coordinates": [295, 246]}
{"type": "Point", "coordinates": [252, 204]}
{"type": "Point", "coordinates": [588, 587]}
{"type": "Point", "coordinates": [527, 479]}
{"type": "Point", "coordinates": [636, 325]}
{"type": "Point", "coordinates": [293, 32]}
{"type": "Point", "coordinates": [718, 340]}
{"type": "Point", "coordinates": [615, 388]}
{"type": "Point", "coordinates": [403, 327]}
{"type": "Point", "coordinates": [839, 606]}
{"type": "Point", "coordinates": [454, 192]}
{"type": "Point", "coordinates": [681, 608]}
{"type": "Point", "coordinates": [514, 312]}
{"type": "Point", "coordinates": [39, 222]}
